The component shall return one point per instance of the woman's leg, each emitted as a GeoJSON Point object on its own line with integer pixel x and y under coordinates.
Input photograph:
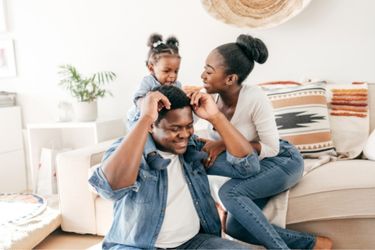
{"type": "Point", "coordinates": [277, 174]}
{"type": "Point", "coordinates": [293, 239]}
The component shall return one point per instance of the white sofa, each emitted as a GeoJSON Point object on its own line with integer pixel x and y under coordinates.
{"type": "Point", "coordinates": [335, 200]}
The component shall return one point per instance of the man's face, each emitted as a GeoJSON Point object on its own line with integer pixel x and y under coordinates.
{"type": "Point", "coordinates": [174, 130]}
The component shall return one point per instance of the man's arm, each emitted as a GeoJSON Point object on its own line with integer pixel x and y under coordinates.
{"type": "Point", "coordinates": [122, 167]}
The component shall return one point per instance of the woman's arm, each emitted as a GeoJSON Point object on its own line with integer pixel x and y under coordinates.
{"type": "Point", "coordinates": [265, 125]}
{"type": "Point", "coordinates": [235, 143]}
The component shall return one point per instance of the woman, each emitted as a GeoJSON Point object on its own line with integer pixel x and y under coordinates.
{"type": "Point", "coordinates": [280, 164]}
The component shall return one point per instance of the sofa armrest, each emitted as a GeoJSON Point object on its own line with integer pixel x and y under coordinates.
{"type": "Point", "coordinates": [77, 202]}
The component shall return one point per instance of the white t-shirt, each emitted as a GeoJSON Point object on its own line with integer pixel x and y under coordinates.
{"type": "Point", "coordinates": [181, 221]}
{"type": "Point", "coordinates": [254, 118]}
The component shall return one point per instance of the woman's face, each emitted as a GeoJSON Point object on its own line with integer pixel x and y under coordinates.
{"type": "Point", "coordinates": [214, 76]}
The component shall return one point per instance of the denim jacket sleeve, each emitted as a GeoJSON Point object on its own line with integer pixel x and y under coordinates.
{"type": "Point", "coordinates": [229, 165]}
{"type": "Point", "coordinates": [100, 182]}
{"type": "Point", "coordinates": [234, 167]}
{"type": "Point", "coordinates": [101, 185]}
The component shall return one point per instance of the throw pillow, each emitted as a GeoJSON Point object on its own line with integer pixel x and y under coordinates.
{"type": "Point", "coordinates": [348, 109]}
{"type": "Point", "coordinates": [302, 118]}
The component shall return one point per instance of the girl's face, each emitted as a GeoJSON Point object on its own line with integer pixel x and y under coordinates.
{"type": "Point", "coordinates": [166, 69]}
{"type": "Point", "coordinates": [214, 76]}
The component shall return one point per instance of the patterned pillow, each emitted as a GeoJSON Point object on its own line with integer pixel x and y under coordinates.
{"type": "Point", "coordinates": [348, 109]}
{"type": "Point", "coordinates": [302, 118]}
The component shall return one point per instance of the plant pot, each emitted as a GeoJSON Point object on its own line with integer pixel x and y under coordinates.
{"type": "Point", "coordinates": [86, 111]}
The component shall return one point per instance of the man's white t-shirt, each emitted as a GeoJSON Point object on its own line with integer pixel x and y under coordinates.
{"type": "Point", "coordinates": [181, 221]}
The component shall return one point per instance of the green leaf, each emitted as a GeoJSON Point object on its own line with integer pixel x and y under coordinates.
{"type": "Point", "coordinates": [85, 88]}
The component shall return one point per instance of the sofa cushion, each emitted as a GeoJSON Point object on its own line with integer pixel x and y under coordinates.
{"type": "Point", "coordinates": [340, 189]}
{"type": "Point", "coordinates": [302, 117]}
{"type": "Point", "coordinates": [103, 215]}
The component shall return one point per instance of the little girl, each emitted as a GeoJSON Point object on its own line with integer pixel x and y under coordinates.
{"type": "Point", "coordinates": [163, 63]}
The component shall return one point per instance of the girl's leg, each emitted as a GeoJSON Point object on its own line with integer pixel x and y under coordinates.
{"type": "Point", "coordinates": [149, 146]}
{"type": "Point", "coordinates": [151, 155]}
{"type": "Point", "coordinates": [277, 174]}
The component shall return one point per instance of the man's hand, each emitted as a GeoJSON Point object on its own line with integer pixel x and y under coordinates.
{"type": "Point", "coordinates": [203, 105]}
{"type": "Point", "coordinates": [153, 103]}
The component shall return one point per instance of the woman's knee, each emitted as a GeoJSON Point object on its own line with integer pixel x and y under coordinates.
{"type": "Point", "coordinates": [225, 192]}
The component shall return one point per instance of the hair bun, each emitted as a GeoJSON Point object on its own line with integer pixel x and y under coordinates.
{"type": "Point", "coordinates": [153, 39]}
{"type": "Point", "coordinates": [172, 41]}
{"type": "Point", "coordinates": [253, 48]}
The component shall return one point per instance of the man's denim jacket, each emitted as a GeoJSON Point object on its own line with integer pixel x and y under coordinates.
{"type": "Point", "coordinates": [139, 209]}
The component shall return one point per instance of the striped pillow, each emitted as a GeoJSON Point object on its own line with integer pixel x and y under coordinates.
{"type": "Point", "coordinates": [302, 118]}
{"type": "Point", "coordinates": [348, 109]}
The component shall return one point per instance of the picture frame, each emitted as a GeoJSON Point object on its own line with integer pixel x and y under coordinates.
{"type": "Point", "coordinates": [3, 26]}
{"type": "Point", "coordinates": [7, 59]}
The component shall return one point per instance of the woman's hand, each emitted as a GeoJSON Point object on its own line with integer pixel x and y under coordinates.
{"type": "Point", "coordinates": [152, 103]}
{"type": "Point", "coordinates": [213, 149]}
{"type": "Point", "coordinates": [203, 105]}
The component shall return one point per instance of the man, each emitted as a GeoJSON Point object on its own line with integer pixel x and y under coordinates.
{"type": "Point", "coordinates": [167, 206]}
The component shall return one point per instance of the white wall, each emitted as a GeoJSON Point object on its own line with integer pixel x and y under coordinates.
{"type": "Point", "coordinates": [330, 39]}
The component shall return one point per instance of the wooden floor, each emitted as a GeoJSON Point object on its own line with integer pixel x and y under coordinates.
{"type": "Point", "coordinates": [62, 240]}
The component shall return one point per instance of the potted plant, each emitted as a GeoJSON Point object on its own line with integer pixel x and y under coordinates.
{"type": "Point", "coordinates": [85, 89]}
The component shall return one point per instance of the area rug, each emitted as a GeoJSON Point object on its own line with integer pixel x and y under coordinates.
{"type": "Point", "coordinates": [19, 208]}
{"type": "Point", "coordinates": [26, 219]}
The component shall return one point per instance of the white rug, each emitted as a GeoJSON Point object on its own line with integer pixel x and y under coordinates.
{"type": "Point", "coordinates": [18, 208]}
{"type": "Point", "coordinates": [26, 219]}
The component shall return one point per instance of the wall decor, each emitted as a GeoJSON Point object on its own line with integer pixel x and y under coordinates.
{"type": "Point", "coordinates": [7, 60]}
{"type": "Point", "coordinates": [255, 14]}
{"type": "Point", "coordinates": [2, 17]}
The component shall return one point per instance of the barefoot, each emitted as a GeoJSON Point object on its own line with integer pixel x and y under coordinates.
{"type": "Point", "coordinates": [323, 243]}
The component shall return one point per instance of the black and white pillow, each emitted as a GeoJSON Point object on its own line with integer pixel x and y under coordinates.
{"type": "Point", "coordinates": [302, 117]}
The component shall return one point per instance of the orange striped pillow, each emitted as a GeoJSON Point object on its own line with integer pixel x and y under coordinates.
{"type": "Point", "coordinates": [348, 109]}
{"type": "Point", "coordinates": [302, 118]}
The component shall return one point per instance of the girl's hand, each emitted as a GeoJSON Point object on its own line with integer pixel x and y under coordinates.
{"type": "Point", "coordinates": [213, 149]}
{"type": "Point", "coordinates": [203, 105]}
{"type": "Point", "coordinates": [191, 88]}
{"type": "Point", "coordinates": [153, 103]}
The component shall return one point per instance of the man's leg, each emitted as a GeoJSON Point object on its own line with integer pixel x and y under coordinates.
{"type": "Point", "coordinates": [209, 241]}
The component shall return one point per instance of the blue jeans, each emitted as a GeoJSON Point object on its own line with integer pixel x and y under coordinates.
{"type": "Point", "coordinates": [244, 199]}
{"type": "Point", "coordinates": [149, 145]}
{"type": "Point", "coordinates": [209, 241]}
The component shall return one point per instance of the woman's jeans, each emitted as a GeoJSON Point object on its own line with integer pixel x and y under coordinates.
{"type": "Point", "coordinates": [209, 241]}
{"type": "Point", "coordinates": [245, 198]}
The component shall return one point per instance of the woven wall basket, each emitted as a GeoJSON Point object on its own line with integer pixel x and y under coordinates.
{"type": "Point", "coordinates": [255, 14]}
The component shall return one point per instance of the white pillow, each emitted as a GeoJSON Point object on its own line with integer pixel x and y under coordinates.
{"type": "Point", "coordinates": [369, 150]}
{"type": "Point", "coordinates": [349, 118]}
